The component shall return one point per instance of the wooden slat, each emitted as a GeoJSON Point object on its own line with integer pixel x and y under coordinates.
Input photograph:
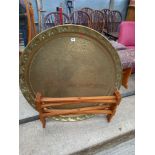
{"type": "Point", "coordinates": [78, 112]}
{"type": "Point", "coordinates": [77, 109]}
{"type": "Point", "coordinates": [77, 102]}
{"type": "Point", "coordinates": [66, 99]}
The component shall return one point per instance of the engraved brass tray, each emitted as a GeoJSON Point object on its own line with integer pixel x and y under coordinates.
{"type": "Point", "coordinates": [68, 61]}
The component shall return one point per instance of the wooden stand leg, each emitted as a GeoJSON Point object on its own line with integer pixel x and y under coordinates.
{"type": "Point", "coordinates": [43, 121]}
{"type": "Point", "coordinates": [109, 117]}
{"type": "Point", "coordinates": [38, 103]}
{"type": "Point", "coordinates": [118, 98]}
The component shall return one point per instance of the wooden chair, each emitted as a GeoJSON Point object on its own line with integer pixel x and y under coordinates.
{"type": "Point", "coordinates": [87, 10]}
{"type": "Point", "coordinates": [106, 14]}
{"type": "Point", "coordinates": [106, 11]}
{"type": "Point", "coordinates": [80, 18]}
{"type": "Point", "coordinates": [98, 20]}
{"type": "Point", "coordinates": [114, 20]}
{"type": "Point", "coordinates": [53, 19]}
{"type": "Point", "coordinates": [29, 16]}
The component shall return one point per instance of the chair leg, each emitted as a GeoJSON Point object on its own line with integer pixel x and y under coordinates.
{"type": "Point", "coordinates": [126, 75]}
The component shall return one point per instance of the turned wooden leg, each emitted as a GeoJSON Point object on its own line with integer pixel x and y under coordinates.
{"type": "Point", "coordinates": [126, 75]}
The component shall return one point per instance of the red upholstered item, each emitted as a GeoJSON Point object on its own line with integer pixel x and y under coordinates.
{"type": "Point", "coordinates": [127, 34]}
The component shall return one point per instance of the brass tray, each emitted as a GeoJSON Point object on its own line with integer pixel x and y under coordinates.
{"type": "Point", "coordinates": [68, 61]}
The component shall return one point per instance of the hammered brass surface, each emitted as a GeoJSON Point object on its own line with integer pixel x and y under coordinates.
{"type": "Point", "coordinates": [68, 61]}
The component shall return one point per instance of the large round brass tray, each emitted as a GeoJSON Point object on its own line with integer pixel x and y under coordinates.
{"type": "Point", "coordinates": [69, 61]}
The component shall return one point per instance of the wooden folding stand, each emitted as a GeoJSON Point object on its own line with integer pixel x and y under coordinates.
{"type": "Point", "coordinates": [107, 105]}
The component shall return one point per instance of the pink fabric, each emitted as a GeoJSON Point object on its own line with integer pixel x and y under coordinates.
{"type": "Point", "coordinates": [127, 33]}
